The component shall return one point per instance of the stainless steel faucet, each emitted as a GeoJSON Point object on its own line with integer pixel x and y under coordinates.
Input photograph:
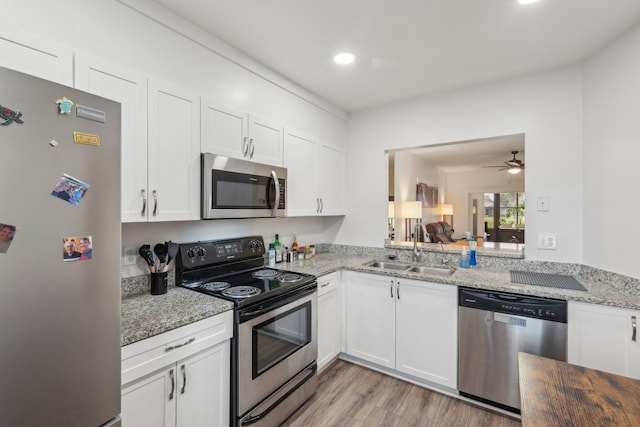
{"type": "Point", "coordinates": [416, 257]}
{"type": "Point", "coordinates": [445, 259]}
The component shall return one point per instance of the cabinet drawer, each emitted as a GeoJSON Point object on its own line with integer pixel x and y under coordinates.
{"type": "Point", "coordinates": [327, 283]}
{"type": "Point", "coordinates": [149, 355]}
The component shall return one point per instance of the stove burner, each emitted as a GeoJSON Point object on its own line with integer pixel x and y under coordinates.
{"type": "Point", "coordinates": [265, 274]}
{"type": "Point", "coordinates": [240, 292]}
{"type": "Point", "coordinates": [290, 277]}
{"type": "Point", "coordinates": [216, 286]}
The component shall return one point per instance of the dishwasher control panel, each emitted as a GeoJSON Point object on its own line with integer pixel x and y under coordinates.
{"type": "Point", "coordinates": [523, 305]}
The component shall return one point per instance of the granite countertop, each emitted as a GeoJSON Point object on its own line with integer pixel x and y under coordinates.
{"type": "Point", "coordinates": [601, 288]}
{"type": "Point", "coordinates": [146, 315]}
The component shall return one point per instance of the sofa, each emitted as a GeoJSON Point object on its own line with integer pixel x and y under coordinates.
{"type": "Point", "coordinates": [440, 232]}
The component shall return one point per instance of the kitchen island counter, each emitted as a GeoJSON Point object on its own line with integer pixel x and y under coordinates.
{"type": "Point", "coordinates": [555, 393]}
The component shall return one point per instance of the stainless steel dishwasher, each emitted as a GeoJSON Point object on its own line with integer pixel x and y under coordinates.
{"type": "Point", "coordinates": [492, 328]}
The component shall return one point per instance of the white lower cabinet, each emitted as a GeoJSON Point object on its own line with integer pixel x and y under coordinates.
{"type": "Point", "coordinates": [329, 315]}
{"type": "Point", "coordinates": [604, 338]}
{"type": "Point", "coordinates": [406, 325]}
{"type": "Point", "coordinates": [179, 378]}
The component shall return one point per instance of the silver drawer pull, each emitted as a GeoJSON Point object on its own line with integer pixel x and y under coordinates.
{"type": "Point", "coordinates": [634, 326]}
{"type": "Point", "coordinates": [173, 384]}
{"type": "Point", "coordinates": [184, 379]}
{"type": "Point", "coordinates": [173, 347]}
{"type": "Point", "coordinates": [324, 285]}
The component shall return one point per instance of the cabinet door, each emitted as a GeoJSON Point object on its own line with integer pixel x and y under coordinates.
{"type": "Point", "coordinates": [174, 153]}
{"type": "Point", "coordinates": [224, 131]}
{"type": "Point", "coordinates": [331, 180]}
{"type": "Point", "coordinates": [38, 57]}
{"type": "Point", "coordinates": [426, 331]}
{"type": "Point", "coordinates": [130, 90]}
{"type": "Point", "coordinates": [150, 401]}
{"type": "Point", "coordinates": [265, 141]}
{"type": "Point", "coordinates": [204, 388]}
{"type": "Point", "coordinates": [300, 161]}
{"type": "Point", "coordinates": [371, 318]}
{"type": "Point", "coordinates": [328, 319]}
{"type": "Point", "coordinates": [601, 338]}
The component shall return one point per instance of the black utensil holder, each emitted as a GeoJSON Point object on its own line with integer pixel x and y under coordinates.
{"type": "Point", "coordinates": [158, 283]}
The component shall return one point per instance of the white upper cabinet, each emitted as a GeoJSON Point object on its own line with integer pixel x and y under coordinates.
{"type": "Point", "coordinates": [174, 153]}
{"type": "Point", "coordinates": [38, 57]}
{"type": "Point", "coordinates": [315, 175]}
{"type": "Point", "coordinates": [129, 89]}
{"type": "Point", "coordinates": [232, 133]}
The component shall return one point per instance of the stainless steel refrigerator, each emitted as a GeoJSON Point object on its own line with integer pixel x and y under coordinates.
{"type": "Point", "coordinates": [59, 255]}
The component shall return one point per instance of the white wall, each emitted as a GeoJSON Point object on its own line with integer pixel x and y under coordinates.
{"type": "Point", "coordinates": [113, 31]}
{"type": "Point", "coordinates": [612, 156]}
{"type": "Point", "coordinates": [546, 107]}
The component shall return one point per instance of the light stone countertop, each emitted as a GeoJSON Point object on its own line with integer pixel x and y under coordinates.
{"type": "Point", "coordinates": [145, 315]}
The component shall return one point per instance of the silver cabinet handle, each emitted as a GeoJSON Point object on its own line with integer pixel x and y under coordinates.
{"type": "Point", "coordinates": [321, 205]}
{"type": "Point", "coordinates": [318, 207]}
{"type": "Point", "coordinates": [276, 183]}
{"type": "Point", "coordinates": [634, 328]}
{"type": "Point", "coordinates": [324, 285]}
{"type": "Point", "coordinates": [184, 379]}
{"type": "Point", "coordinates": [173, 384]}
{"type": "Point", "coordinates": [252, 148]}
{"type": "Point", "coordinates": [245, 147]}
{"type": "Point", "coordinates": [155, 202]}
{"type": "Point", "coordinates": [173, 347]}
{"type": "Point", "coordinates": [143, 193]}
{"type": "Point", "coordinates": [391, 288]}
{"type": "Point", "coordinates": [398, 291]}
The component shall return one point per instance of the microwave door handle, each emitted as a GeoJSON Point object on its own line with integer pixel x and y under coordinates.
{"type": "Point", "coordinates": [276, 184]}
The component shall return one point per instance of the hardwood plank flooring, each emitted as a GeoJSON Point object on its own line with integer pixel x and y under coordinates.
{"type": "Point", "coordinates": [354, 396]}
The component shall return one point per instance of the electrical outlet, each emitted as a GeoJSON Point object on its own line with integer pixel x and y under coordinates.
{"type": "Point", "coordinates": [546, 241]}
{"type": "Point", "coordinates": [130, 255]}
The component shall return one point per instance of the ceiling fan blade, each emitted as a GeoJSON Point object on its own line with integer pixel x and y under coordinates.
{"type": "Point", "coordinates": [493, 166]}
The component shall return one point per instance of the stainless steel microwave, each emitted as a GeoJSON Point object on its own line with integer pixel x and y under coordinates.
{"type": "Point", "coordinates": [234, 188]}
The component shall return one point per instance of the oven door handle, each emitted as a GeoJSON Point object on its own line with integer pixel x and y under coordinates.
{"type": "Point", "coordinates": [252, 419]}
{"type": "Point", "coordinates": [267, 307]}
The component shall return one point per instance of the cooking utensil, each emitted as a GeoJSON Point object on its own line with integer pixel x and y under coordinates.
{"type": "Point", "coordinates": [147, 255]}
{"type": "Point", "coordinates": [172, 251]}
{"type": "Point", "coordinates": [161, 253]}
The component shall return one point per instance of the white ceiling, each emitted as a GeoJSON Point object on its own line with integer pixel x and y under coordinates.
{"type": "Point", "coordinates": [407, 48]}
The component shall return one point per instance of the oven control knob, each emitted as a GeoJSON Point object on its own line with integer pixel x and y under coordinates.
{"type": "Point", "coordinates": [191, 253]}
{"type": "Point", "coordinates": [202, 251]}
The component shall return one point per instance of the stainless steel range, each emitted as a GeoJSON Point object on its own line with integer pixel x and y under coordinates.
{"type": "Point", "coordinates": [274, 345]}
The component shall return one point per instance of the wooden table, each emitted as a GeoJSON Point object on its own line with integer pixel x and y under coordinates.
{"type": "Point", "coordinates": [554, 393]}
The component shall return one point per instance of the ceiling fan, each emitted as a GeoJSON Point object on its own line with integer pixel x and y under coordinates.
{"type": "Point", "coordinates": [513, 166]}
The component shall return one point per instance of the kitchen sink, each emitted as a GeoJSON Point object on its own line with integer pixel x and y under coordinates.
{"type": "Point", "coordinates": [443, 271]}
{"type": "Point", "coordinates": [440, 271]}
{"type": "Point", "coordinates": [389, 265]}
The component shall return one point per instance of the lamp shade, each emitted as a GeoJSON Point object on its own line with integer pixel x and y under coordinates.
{"type": "Point", "coordinates": [447, 209]}
{"type": "Point", "coordinates": [391, 210]}
{"type": "Point", "coordinates": [412, 209]}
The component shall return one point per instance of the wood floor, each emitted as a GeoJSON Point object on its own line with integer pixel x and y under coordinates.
{"type": "Point", "coordinates": [350, 395]}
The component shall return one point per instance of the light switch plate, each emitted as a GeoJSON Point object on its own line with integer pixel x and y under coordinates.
{"type": "Point", "coordinates": [130, 255]}
{"type": "Point", "coordinates": [543, 204]}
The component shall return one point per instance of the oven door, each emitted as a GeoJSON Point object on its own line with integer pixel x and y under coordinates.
{"type": "Point", "coordinates": [233, 188]}
{"type": "Point", "coordinates": [275, 345]}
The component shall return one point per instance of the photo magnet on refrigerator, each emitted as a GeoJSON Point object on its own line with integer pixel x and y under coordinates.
{"type": "Point", "coordinates": [77, 248]}
{"type": "Point", "coordinates": [70, 189]}
{"type": "Point", "coordinates": [86, 138]}
{"type": "Point", "coordinates": [7, 233]}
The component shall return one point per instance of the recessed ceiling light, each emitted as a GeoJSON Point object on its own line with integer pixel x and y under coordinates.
{"type": "Point", "coordinates": [344, 58]}
{"type": "Point", "coordinates": [527, 1]}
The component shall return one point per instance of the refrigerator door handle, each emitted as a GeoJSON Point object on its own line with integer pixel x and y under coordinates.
{"type": "Point", "coordinates": [155, 202]}
{"type": "Point", "coordinates": [143, 193]}
{"type": "Point", "coordinates": [173, 384]}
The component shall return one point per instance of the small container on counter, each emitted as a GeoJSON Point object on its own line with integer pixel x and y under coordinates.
{"type": "Point", "coordinates": [307, 252]}
{"type": "Point", "coordinates": [158, 283]}
{"type": "Point", "coordinates": [300, 254]}
{"type": "Point", "coordinates": [291, 256]}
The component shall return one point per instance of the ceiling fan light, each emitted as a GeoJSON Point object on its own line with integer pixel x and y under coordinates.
{"type": "Point", "coordinates": [344, 58]}
{"type": "Point", "coordinates": [513, 170]}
